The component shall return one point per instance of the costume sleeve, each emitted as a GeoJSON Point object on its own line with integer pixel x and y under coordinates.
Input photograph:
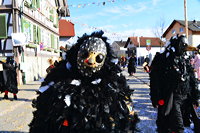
{"type": "Point", "coordinates": [155, 79]}
{"type": "Point", "coordinates": [195, 90]}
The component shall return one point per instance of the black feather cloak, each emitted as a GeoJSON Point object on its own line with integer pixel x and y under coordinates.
{"type": "Point", "coordinates": [71, 103]}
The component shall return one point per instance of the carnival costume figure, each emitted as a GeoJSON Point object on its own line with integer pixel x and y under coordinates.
{"type": "Point", "coordinates": [173, 86]}
{"type": "Point", "coordinates": [86, 93]}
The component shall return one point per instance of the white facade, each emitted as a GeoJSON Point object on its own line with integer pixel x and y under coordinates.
{"type": "Point", "coordinates": [143, 52]}
{"type": "Point", "coordinates": [38, 20]}
{"type": "Point", "coordinates": [195, 40]}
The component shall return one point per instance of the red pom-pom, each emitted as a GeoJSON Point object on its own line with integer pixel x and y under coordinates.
{"type": "Point", "coordinates": [65, 123]}
{"type": "Point", "coordinates": [161, 102]}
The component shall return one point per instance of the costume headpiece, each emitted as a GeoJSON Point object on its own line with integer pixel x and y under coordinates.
{"type": "Point", "coordinates": [91, 56]}
{"type": "Point", "coordinates": [179, 45]}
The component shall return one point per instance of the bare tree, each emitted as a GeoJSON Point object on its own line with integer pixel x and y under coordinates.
{"type": "Point", "coordinates": [159, 30]}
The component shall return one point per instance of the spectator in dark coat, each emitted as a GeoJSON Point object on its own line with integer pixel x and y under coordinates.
{"type": "Point", "coordinates": [9, 78]}
{"type": "Point", "coordinates": [132, 65]}
{"type": "Point", "coordinates": [147, 60]}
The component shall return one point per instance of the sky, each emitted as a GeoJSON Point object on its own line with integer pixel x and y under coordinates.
{"type": "Point", "coordinates": [120, 19]}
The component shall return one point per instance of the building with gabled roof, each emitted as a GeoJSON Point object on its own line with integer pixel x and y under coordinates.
{"type": "Point", "coordinates": [178, 27]}
{"type": "Point", "coordinates": [66, 32]}
{"type": "Point", "coordinates": [118, 48]}
{"type": "Point", "coordinates": [66, 28]}
{"type": "Point", "coordinates": [142, 41]}
{"type": "Point", "coordinates": [143, 46]}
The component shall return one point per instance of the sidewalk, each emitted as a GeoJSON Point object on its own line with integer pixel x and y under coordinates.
{"type": "Point", "coordinates": [16, 114]}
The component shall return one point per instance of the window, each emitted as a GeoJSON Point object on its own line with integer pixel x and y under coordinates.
{"type": "Point", "coordinates": [173, 31]}
{"type": "Point", "coordinates": [26, 28]}
{"type": "Point", "coordinates": [181, 29]}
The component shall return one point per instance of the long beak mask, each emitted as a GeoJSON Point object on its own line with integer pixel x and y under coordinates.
{"type": "Point", "coordinates": [94, 59]}
{"type": "Point", "coordinates": [191, 48]}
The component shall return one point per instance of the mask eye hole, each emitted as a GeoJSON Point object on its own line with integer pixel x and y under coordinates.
{"type": "Point", "coordinates": [84, 54]}
{"type": "Point", "coordinates": [99, 58]}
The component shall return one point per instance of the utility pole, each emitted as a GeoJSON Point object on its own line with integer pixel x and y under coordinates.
{"type": "Point", "coordinates": [138, 40]}
{"type": "Point", "coordinates": [185, 14]}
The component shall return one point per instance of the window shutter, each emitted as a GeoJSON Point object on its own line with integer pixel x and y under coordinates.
{"type": "Point", "coordinates": [57, 43]}
{"type": "Point", "coordinates": [22, 26]}
{"type": "Point", "coordinates": [51, 14]}
{"type": "Point", "coordinates": [38, 4]}
{"type": "Point", "coordinates": [3, 25]}
{"type": "Point", "coordinates": [33, 3]}
{"type": "Point", "coordinates": [34, 34]}
{"type": "Point", "coordinates": [52, 41]}
{"type": "Point", "coordinates": [38, 35]}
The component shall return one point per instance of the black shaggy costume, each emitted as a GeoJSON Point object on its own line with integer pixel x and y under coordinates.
{"type": "Point", "coordinates": [72, 102]}
{"type": "Point", "coordinates": [8, 81]}
{"type": "Point", "coordinates": [173, 86]}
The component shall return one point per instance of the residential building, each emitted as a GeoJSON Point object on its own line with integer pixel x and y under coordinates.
{"type": "Point", "coordinates": [118, 48]}
{"type": "Point", "coordinates": [178, 27]}
{"type": "Point", "coordinates": [143, 46]}
{"type": "Point", "coordinates": [66, 33]}
{"type": "Point", "coordinates": [30, 34]}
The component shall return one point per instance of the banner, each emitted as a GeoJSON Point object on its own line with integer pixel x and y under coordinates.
{"type": "Point", "coordinates": [93, 3]}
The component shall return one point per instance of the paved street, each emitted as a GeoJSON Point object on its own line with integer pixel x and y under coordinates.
{"type": "Point", "coordinates": [16, 115]}
{"type": "Point", "coordinates": [142, 104]}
